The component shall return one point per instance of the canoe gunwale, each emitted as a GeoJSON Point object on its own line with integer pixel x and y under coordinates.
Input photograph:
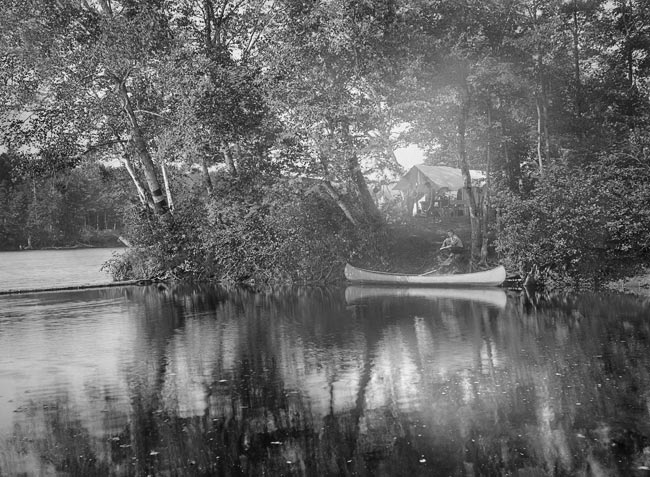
{"type": "Point", "coordinates": [493, 277]}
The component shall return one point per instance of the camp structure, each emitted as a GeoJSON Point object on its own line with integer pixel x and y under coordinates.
{"type": "Point", "coordinates": [384, 193]}
{"type": "Point", "coordinates": [439, 190]}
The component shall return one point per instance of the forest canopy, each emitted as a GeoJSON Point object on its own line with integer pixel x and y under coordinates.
{"type": "Point", "coordinates": [246, 131]}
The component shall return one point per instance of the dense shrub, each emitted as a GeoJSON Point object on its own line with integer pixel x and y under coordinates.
{"type": "Point", "coordinates": [253, 229]}
{"type": "Point", "coordinates": [579, 224]}
{"type": "Point", "coordinates": [161, 249]}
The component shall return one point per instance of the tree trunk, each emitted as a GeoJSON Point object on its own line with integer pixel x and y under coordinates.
{"type": "Point", "coordinates": [327, 185]}
{"type": "Point", "coordinates": [576, 61]}
{"type": "Point", "coordinates": [227, 157]}
{"type": "Point", "coordinates": [409, 200]}
{"type": "Point", "coordinates": [513, 168]}
{"type": "Point", "coordinates": [170, 201]}
{"type": "Point", "coordinates": [542, 114]}
{"type": "Point", "coordinates": [106, 7]}
{"type": "Point", "coordinates": [368, 205]}
{"type": "Point", "coordinates": [628, 49]}
{"type": "Point", "coordinates": [547, 143]}
{"type": "Point", "coordinates": [157, 196]}
{"type": "Point", "coordinates": [237, 153]}
{"type": "Point", "coordinates": [367, 202]}
{"type": "Point", "coordinates": [208, 15]}
{"type": "Point", "coordinates": [475, 221]}
{"type": "Point", "coordinates": [630, 65]}
{"type": "Point", "coordinates": [138, 185]}
{"type": "Point", "coordinates": [387, 144]}
{"type": "Point", "coordinates": [486, 198]}
{"type": "Point", "coordinates": [539, 135]}
{"type": "Point", "coordinates": [206, 176]}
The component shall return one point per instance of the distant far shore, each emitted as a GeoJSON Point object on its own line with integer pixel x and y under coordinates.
{"type": "Point", "coordinates": [78, 245]}
{"type": "Point", "coordinates": [75, 246]}
{"type": "Point", "coordinates": [71, 247]}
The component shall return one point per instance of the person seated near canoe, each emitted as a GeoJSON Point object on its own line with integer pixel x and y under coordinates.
{"type": "Point", "coordinates": [453, 243]}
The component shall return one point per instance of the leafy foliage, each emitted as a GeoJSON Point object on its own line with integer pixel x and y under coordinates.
{"type": "Point", "coordinates": [255, 230]}
{"type": "Point", "coordinates": [591, 223]}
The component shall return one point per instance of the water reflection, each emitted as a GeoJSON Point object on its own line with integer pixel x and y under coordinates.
{"type": "Point", "coordinates": [359, 294]}
{"type": "Point", "coordinates": [209, 381]}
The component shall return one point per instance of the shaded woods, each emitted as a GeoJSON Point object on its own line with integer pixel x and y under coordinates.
{"type": "Point", "coordinates": [82, 206]}
{"type": "Point", "coordinates": [285, 110]}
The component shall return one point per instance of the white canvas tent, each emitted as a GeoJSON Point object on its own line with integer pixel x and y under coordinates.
{"type": "Point", "coordinates": [424, 178]}
{"type": "Point", "coordinates": [422, 183]}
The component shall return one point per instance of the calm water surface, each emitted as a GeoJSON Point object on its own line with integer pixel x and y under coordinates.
{"type": "Point", "coordinates": [39, 269]}
{"type": "Point", "coordinates": [197, 380]}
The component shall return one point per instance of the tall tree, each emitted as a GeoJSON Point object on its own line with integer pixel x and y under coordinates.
{"type": "Point", "coordinates": [90, 69]}
{"type": "Point", "coordinates": [218, 112]}
{"type": "Point", "coordinates": [323, 93]}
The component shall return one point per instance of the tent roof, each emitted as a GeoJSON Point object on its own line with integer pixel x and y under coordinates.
{"type": "Point", "coordinates": [438, 176]}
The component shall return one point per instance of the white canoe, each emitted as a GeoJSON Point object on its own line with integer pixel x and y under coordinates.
{"type": "Point", "coordinates": [494, 277]}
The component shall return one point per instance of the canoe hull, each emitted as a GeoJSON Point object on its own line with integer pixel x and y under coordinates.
{"type": "Point", "coordinates": [486, 278]}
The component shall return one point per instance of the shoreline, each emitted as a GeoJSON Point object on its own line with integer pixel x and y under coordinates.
{"type": "Point", "coordinates": [637, 285]}
{"type": "Point", "coordinates": [50, 249]}
{"type": "Point", "coordinates": [20, 291]}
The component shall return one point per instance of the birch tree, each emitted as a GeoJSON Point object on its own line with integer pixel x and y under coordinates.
{"type": "Point", "coordinates": [88, 71]}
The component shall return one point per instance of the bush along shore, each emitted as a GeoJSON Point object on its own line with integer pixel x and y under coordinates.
{"type": "Point", "coordinates": [264, 232]}
{"type": "Point", "coordinates": [258, 231]}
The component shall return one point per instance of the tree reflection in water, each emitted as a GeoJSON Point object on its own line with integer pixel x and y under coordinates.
{"type": "Point", "coordinates": [303, 382]}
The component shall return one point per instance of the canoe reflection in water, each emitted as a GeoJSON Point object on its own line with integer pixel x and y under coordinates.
{"type": "Point", "coordinates": [496, 297]}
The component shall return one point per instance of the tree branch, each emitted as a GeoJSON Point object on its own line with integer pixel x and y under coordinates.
{"type": "Point", "coordinates": [144, 111]}
{"type": "Point", "coordinates": [100, 145]}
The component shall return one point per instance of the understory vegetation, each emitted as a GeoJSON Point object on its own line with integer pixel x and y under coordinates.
{"type": "Point", "coordinates": [579, 226]}
{"type": "Point", "coordinates": [253, 230]}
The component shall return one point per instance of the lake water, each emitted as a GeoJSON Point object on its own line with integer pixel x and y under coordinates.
{"type": "Point", "coordinates": [204, 380]}
{"type": "Point", "coordinates": [29, 269]}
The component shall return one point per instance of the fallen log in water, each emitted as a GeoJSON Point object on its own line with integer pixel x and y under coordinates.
{"type": "Point", "coordinates": [72, 287]}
